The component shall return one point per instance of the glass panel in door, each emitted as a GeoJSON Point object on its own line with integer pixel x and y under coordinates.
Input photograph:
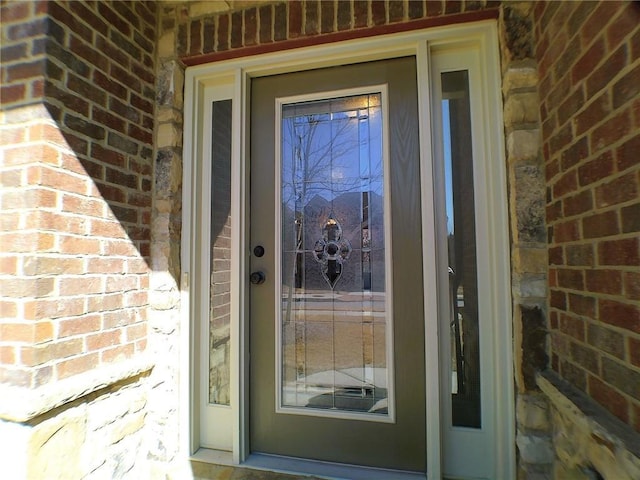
{"type": "Point", "coordinates": [335, 315]}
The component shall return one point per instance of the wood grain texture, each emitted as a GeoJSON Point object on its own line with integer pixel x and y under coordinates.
{"type": "Point", "coordinates": [400, 445]}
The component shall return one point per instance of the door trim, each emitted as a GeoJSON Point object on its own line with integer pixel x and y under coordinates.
{"type": "Point", "coordinates": [236, 74]}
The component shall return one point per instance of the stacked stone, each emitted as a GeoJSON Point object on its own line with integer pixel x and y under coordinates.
{"type": "Point", "coordinates": [525, 168]}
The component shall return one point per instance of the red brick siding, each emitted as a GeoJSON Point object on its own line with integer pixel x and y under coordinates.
{"type": "Point", "coordinates": [25, 199]}
{"type": "Point", "coordinates": [24, 29]}
{"type": "Point", "coordinates": [298, 20]}
{"type": "Point", "coordinates": [76, 199]}
{"type": "Point", "coordinates": [590, 95]}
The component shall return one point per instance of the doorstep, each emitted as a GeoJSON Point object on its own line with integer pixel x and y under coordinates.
{"type": "Point", "coordinates": [208, 471]}
{"type": "Point", "coordinates": [273, 467]}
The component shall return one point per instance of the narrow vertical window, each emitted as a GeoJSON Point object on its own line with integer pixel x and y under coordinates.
{"type": "Point", "coordinates": [219, 318]}
{"type": "Point", "coordinates": [461, 245]}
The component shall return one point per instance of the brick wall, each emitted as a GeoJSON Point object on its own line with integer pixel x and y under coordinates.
{"type": "Point", "coordinates": [77, 108]}
{"type": "Point", "coordinates": [203, 31]}
{"type": "Point", "coordinates": [589, 66]}
{"type": "Point", "coordinates": [23, 67]}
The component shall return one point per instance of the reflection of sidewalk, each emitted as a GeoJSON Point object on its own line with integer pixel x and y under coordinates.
{"type": "Point", "coordinates": [334, 350]}
{"type": "Point", "coordinates": [354, 389]}
{"type": "Point", "coordinates": [316, 314]}
{"type": "Point", "coordinates": [324, 294]}
{"type": "Point", "coordinates": [330, 306]}
{"type": "Point", "coordinates": [348, 377]}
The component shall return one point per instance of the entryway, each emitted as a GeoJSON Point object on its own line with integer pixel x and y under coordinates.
{"type": "Point", "coordinates": [352, 219]}
{"type": "Point", "coordinates": [337, 321]}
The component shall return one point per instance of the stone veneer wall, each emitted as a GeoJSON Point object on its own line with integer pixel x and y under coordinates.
{"type": "Point", "coordinates": [77, 108]}
{"type": "Point", "coordinates": [525, 170]}
{"type": "Point", "coordinates": [589, 67]}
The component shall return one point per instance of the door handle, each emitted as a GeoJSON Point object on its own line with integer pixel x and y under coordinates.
{"type": "Point", "coordinates": [257, 278]}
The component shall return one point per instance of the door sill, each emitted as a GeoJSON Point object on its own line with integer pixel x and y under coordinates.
{"type": "Point", "coordinates": [328, 470]}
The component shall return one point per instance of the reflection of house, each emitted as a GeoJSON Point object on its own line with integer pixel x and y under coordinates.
{"type": "Point", "coordinates": [97, 268]}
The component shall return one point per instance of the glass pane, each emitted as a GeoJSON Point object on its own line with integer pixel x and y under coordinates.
{"type": "Point", "coordinates": [219, 368]}
{"type": "Point", "coordinates": [463, 275]}
{"type": "Point", "coordinates": [334, 308]}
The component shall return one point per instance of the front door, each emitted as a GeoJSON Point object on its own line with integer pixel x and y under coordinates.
{"type": "Point", "coordinates": [337, 356]}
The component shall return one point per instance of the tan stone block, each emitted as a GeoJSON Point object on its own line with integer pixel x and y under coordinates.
{"type": "Point", "coordinates": [529, 286]}
{"type": "Point", "coordinates": [107, 411]}
{"type": "Point", "coordinates": [159, 257]}
{"type": "Point", "coordinates": [160, 228]}
{"type": "Point", "coordinates": [168, 115]}
{"type": "Point", "coordinates": [520, 77]}
{"type": "Point", "coordinates": [202, 471]}
{"type": "Point", "coordinates": [178, 79]}
{"type": "Point", "coordinates": [568, 440]}
{"type": "Point", "coordinates": [529, 260]}
{"type": "Point", "coordinates": [170, 84]}
{"type": "Point", "coordinates": [562, 472]}
{"type": "Point", "coordinates": [137, 404]}
{"type": "Point", "coordinates": [535, 449]}
{"type": "Point", "coordinates": [176, 173]}
{"type": "Point", "coordinates": [168, 136]}
{"type": "Point", "coordinates": [521, 108]}
{"type": "Point", "coordinates": [523, 145]}
{"type": "Point", "coordinates": [163, 300]}
{"type": "Point", "coordinates": [532, 412]}
{"type": "Point", "coordinates": [199, 9]}
{"type": "Point", "coordinates": [242, 4]}
{"type": "Point", "coordinates": [167, 44]}
{"type": "Point", "coordinates": [55, 447]}
{"type": "Point", "coordinates": [606, 462]}
{"type": "Point", "coordinates": [163, 206]}
{"type": "Point", "coordinates": [128, 425]}
{"type": "Point", "coordinates": [164, 293]}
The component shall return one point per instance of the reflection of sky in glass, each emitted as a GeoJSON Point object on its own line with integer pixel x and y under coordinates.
{"type": "Point", "coordinates": [334, 305]}
{"type": "Point", "coordinates": [446, 135]}
{"type": "Point", "coordinates": [323, 144]}
{"type": "Point", "coordinates": [332, 168]}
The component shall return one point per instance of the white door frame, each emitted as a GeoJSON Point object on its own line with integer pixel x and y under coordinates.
{"type": "Point", "coordinates": [231, 79]}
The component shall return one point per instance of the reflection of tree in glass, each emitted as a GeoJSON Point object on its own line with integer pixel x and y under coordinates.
{"type": "Point", "coordinates": [318, 150]}
{"type": "Point", "coordinates": [322, 149]}
{"type": "Point", "coordinates": [323, 153]}
{"type": "Point", "coordinates": [332, 239]}
{"type": "Point", "coordinates": [332, 165]}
